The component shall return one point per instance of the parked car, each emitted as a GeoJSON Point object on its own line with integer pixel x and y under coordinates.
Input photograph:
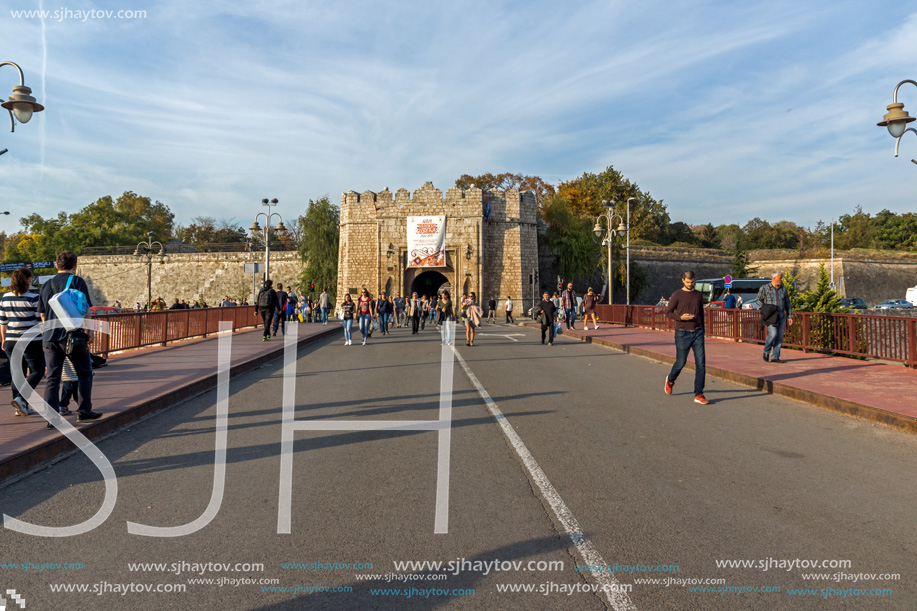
{"type": "Point", "coordinates": [103, 310]}
{"type": "Point", "coordinates": [895, 304]}
{"type": "Point", "coordinates": [716, 305]}
{"type": "Point", "coordinates": [854, 303]}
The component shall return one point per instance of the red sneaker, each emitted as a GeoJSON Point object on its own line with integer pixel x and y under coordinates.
{"type": "Point", "coordinates": [701, 399]}
{"type": "Point", "coordinates": [668, 386]}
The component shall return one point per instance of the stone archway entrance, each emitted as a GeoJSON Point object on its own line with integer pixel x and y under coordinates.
{"type": "Point", "coordinates": [427, 283]}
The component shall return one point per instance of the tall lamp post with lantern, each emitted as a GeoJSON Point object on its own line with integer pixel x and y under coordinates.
{"type": "Point", "coordinates": [265, 233]}
{"type": "Point", "coordinates": [149, 250]}
{"type": "Point", "coordinates": [614, 226]}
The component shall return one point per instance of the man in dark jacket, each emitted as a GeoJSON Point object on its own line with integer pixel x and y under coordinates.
{"type": "Point", "coordinates": [546, 312]}
{"type": "Point", "coordinates": [775, 294]}
{"type": "Point", "coordinates": [267, 306]}
{"type": "Point", "coordinates": [55, 341]}
{"type": "Point", "coordinates": [278, 316]}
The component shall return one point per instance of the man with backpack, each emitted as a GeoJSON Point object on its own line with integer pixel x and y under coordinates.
{"type": "Point", "coordinates": [59, 344]}
{"type": "Point", "coordinates": [267, 306]}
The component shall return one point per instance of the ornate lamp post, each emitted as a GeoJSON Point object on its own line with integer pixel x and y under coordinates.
{"type": "Point", "coordinates": [145, 249]}
{"type": "Point", "coordinates": [21, 104]}
{"type": "Point", "coordinates": [611, 231]}
{"type": "Point", "coordinates": [896, 119]}
{"type": "Point", "coordinates": [265, 234]}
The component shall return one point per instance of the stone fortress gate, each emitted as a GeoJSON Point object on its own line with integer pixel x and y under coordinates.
{"type": "Point", "coordinates": [490, 241]}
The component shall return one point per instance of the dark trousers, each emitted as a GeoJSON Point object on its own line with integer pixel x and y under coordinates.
{"type": "Point", "coordinates": [69, 390]}
{"type": "Point", "coordinates": [279, 323]}
{"type": "Point", "coordinates": [33, 359]}
{"type": "Point", "coordinates": [549, 330]}
{"type": "Point", "coordinates": [415, 322]}
{"type": "Point", "coordinates": [82, 362]}
{"type": "Point", "coordinates": [509, 317]}
{"type": "Point", "coordinates": [267, 315]}
{"type": "Point", "coordinates": [690, 340]}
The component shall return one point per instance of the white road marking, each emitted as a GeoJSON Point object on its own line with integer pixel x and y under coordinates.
{"type": "Point", "coordinates": [619, 600]}
{"type": "Point", "coordinates": [509, 336]}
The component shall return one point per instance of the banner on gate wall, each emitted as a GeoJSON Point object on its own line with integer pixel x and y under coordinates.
{"type": "Point", "coordinates": [426, 241]}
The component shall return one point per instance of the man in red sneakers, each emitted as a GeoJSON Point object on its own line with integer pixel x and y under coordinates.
{"type": "Point", "coordinates": [686, 308]}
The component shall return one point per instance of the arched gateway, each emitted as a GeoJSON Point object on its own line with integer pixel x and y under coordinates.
{"type": "Point", "coordinates": [471, 240]}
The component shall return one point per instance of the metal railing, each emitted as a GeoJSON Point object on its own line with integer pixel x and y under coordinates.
{"type": "Point", "coordinates": [889, 338]}
{"type": "Point", "coordinates": [138, 329]}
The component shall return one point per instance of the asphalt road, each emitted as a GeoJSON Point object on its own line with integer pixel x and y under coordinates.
{"type": "Point", "coordinates": [653, 482]}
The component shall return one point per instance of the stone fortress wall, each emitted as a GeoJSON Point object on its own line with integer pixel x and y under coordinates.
{"type": "Point", "coordinates": [490, 256]}
{"type": "Point", "coordinates": [507, 242]}
{"type": "Point", "coordinates": [187, 276]}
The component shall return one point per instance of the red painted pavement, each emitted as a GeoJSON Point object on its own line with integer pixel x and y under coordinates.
{"type": "Point", "coordinates": [134, 377]}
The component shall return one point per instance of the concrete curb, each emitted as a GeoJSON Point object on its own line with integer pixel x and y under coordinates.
{"type": "Point", "coordinates": [853, 409]}
{"type": "Point", "coordinates": [53, 450]}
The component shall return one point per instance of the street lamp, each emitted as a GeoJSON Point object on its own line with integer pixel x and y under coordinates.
{"type": "Point", "coordinates": [265, 233]}
{"type": "Point", "coordinates": [145, 249]}
{"type": "Point", "coordinates": [628, 247]}
{"type": "Point", "coordinates": [21, 103]}
{"type": "Point", "coordinates": [896, 119]}
{"type": "Point", "coordinates": [611, 231]}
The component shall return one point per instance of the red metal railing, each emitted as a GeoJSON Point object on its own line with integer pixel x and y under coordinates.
{"type": "Point", "coordinates": [890, 338]}
{"type": "Point", "coordinates": [138, 329]}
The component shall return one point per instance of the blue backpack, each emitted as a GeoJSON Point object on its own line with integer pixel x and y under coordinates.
{"type": "Point", "coordinates": [70, 306]}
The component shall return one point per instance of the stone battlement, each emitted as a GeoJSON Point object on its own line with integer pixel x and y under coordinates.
{"type": "Point", "coordinates": [505, 206]}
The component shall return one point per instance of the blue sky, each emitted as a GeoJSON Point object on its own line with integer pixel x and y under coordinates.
{"type": "Point", "coordinates": [723, 110]}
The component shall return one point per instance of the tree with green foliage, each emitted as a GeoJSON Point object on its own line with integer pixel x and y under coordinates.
{"type": "Point", "coordinates": [570, 239]}
{"type": "Point", "coordinates": [318, 247]}
{"type": "Point", "coordinates": [741, 264]}
{"type": "Point", "coordinates": [823, 298]}
{"type": "Point", "coordinates": [709, 237]}
{"type": "Point", "coordinates": [585, 195]}
{"type": "Point", "coordinates": [208, 230]}
{"type": "Point", "coordinates": [105, 222]}
{"type": "Point", "coordinates": [504, 181]}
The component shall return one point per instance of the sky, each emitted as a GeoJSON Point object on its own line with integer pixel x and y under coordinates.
{"type": "Point", "coordinates": [723, 110]}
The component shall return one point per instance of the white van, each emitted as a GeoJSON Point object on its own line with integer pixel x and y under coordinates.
{"type": "Point", "coordinates": [912, 295]}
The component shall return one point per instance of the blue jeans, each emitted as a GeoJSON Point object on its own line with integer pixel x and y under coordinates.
{"type": "Point", "coordinates": [570, 316]}
{"type": "Point", "coordinates": [279, 323]}
{"type": "Point", "coordinates": [690, 340]}
{"type": "Point", "coordinates": [348, 325]}
{"type": "Point", "coordinates": [383, 322]}
{"type": "Point", "coordinates": [775, 335]}
{"type": "Point", "coordinates": [447, 330]}
{"type": "Point", "coordinates": [324, 316]}
{"type": "Point", "coordinates": [365, 321]}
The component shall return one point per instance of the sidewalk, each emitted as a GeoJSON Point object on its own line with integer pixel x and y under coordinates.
{"type": "Point", "coordinates": [867, 390]}
{"type": "Point", "coordinates": [134, 385]}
